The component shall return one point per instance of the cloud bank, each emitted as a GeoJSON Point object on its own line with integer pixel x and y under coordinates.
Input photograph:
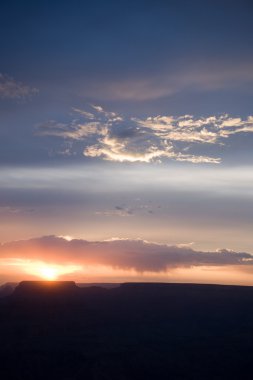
{"type": "Point", "coordinates": [122, 254]}
{"type": "Point", "coordinates": [114, 137]}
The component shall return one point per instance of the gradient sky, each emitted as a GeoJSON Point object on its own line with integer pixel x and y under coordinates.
{"type": "Point", "coordinates": [128, 124]}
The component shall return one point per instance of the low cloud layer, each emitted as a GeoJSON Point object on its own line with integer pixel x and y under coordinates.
{"type": "Point", "coordinates": [114, 137]}
{"type": "Point", "coordinates": [12, 89]}
{"type": "Point", "coordinates": [122, 254]}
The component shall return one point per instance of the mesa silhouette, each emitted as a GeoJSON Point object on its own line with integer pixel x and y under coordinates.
{"type": "Point", "coordinates": [131, 331]}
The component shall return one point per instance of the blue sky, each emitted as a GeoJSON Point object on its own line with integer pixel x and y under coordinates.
{"type": "Point", "coordinates": [127, 119]}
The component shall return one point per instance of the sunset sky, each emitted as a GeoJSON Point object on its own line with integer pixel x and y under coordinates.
{"type": "Point", "coordinates": [126, 141]}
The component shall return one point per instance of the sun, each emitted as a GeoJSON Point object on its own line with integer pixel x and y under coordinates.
{"type": "Point", "coordinates": [49, 273]}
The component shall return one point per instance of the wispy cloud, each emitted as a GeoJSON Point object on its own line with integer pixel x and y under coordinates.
{"type": "Point", "coordinates": [12, 89]}
{"type": "Point", "coordinates": [8, 210]}
{"type": "Point", "coordinates": [117, 211]}
{"type": "Point", "coordinates": [114, 137]}
{"type": "Point", "coordinates": [208, 76]}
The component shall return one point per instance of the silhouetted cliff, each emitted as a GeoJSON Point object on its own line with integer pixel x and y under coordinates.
{"type": "Point", "coordinates": [135, 331]}
{"type": "Point", "coordinates": [45, 288]}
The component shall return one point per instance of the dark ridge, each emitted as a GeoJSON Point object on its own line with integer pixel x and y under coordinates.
{"type": "Point", "coordinates": [138, 331]}
{"type": "Point", "coordinates": [44, 291]}
{"type": "Point", "coordinates": [7, 289]}
{"type": "Point", "coordinates": [49, 290]}
{"type": "Point", "coordinates": [28, 288]}
{"type": "Point", "coordinates": [106, 285]}
{"type": "Point", "coordinates": [66, 289]}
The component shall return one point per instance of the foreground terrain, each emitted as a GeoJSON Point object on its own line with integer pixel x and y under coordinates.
{"type": "Point", "coordinates": [134, 331]}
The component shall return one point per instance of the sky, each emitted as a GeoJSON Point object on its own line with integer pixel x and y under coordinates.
{"type": "Point", "coordinates": [126, 132]}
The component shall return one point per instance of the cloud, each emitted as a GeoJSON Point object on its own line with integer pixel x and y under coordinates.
{"type": "Point", "coordinates": [208, 76]}
{"type": "Point", "coordinates": [74, 130]}
{"type": "Point", "coordinates": [11, 89]}
{"type": "Point", "coordinates": [206, 130]}
{"type": "Point", "coordinates": [123, 254]}
{"type": "Point", "coordinates": [117, 211]}
{"type": "Point", "coordinates": [8, 210]}
{"type": "Point", "coordinates": [113, 137]}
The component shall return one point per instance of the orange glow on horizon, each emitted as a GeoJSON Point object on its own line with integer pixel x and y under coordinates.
{"type": "Point", "coordinates": [18, 269]}
{"type": "Point", "coordinates": [48, 273]}
{"type": "Point", "coordinates": [39, 269]}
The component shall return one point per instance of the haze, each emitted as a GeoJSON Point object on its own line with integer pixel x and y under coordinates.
{"type": "Point", "coordinates": [126, 141]}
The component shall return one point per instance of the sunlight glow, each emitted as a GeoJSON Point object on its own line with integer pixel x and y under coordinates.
{"type": "Point", "coordinates": [18, 269]}
{"type": "Point", "coordinates": [48, 273]}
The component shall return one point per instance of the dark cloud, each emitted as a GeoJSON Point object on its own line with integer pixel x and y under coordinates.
{"type": "Point", "coordinates": [120, 254]}
{"type": "Point", "coordinates": [119, 208]}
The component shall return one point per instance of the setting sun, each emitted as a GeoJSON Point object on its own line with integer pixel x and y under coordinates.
{"type": "Point", "coordinates": [38, 269]}
{"type": "Point", "coordinates": [48, 273]}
